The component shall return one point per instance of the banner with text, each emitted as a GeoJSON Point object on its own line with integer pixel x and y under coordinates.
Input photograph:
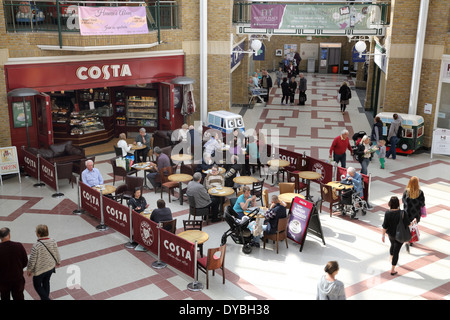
{"type": "Point", "coordinates": [112, 20]}
{"type": "Point", "coordinates": [48, 173]}
{"type": "Point", "coordinates": [116, 216]}
{"type": "Point", "coordinates": [312, 16]}
{"type": "Point", "coordinates": [298, 219]}
{"type": "Point", "coordinates": [177, 252]}
{"type": "Point", "coordinates": [30, 164]}
{"type": "Point", "coordinates": [90, 200]}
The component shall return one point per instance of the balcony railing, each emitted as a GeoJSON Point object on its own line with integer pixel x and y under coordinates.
{"type": "Point", "coordinates": [61, 16]}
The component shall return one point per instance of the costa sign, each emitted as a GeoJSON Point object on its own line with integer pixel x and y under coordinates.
{"type": "Point", "coordinates": [105, 72]}
{"type": "Point", "coordinates": [116, 216]}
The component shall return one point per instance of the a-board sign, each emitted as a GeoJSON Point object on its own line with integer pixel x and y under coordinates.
{"type": "Point", "coordinates": [9, 163]}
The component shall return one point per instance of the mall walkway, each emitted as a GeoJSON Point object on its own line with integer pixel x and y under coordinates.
{"type": "Point", "coordinates": [110, 271]}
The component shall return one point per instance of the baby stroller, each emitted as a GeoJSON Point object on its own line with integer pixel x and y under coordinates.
{"type": "Point", "coordinates": [352, 202]}
{"type": "Point", "coordinates": [356, 140]}
{"type": "Point", "coordinates": [239, 231]}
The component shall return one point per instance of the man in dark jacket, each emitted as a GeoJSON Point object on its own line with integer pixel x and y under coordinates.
{"type": "Point", "coordinates": [13, 259]}
{"type": "Point", "coordinates": [302, 90]}
{"type": "Point", "coordinates": [292, 89]}
{"type": "Point", "coordinates": [266, 83]}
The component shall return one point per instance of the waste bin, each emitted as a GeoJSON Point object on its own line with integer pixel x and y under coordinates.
{"type": "Point", "coordinates": [334, 69]}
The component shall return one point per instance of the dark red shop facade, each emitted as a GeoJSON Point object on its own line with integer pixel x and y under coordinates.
{"type": "Point", "coordinates": [89, 99]}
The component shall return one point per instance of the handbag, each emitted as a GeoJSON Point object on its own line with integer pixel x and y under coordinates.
{"type": "Point", "coordinates": [402, 233]}
{"type": "Point", "coordinates": [423, 212]}
{"type": "Point", "coordinates": [415, 234]}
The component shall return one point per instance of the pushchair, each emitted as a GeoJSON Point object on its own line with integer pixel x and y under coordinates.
{"type": "Point", "coordinates": [356, 140]}
{"type": "Point", "coordinates": [239, 231]}
{"type": "Point", "coordinates": [351, 202]}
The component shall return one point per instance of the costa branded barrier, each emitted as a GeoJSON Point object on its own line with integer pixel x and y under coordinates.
{"type": "Point", "coordinates": [31, 164]}
{"type": "Point", "coordinates": [116, 216]}
{"type": "Point", "coordinates": [90, 200]}
{"type": "Point", "coordinates": [325, 169]}
{"type": "Point", "coordinates": [48, 173]}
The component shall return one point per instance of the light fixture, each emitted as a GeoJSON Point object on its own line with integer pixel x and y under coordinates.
{"type": "Point", "coordinates": [360, 46]}
{"type": "Point", "coordinates": [91, 90]}
{"type": "Point", "coordinates": [255, 46]}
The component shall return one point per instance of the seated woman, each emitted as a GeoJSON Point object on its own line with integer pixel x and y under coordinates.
{"type": "Point", "coordinates": [244, 201]}
{"type": "Point", "coordinates": [214, 178]}
{"type": "Point", "coordinates": [122, 143]}
{"type": "Point", "coordinates": [138, 202]}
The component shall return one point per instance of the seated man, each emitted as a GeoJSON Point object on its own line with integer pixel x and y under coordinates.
{"type": "Point", "coordinates": [202, 198]}
{"type": "Point", "coordinates": [356, 179]}
{"type": "Point", "coordinates": [244, 201]}
{"type": "Point", "coordinates": [144, 139]}
{"type": "Point", "coordinates": [91, 176]}
{"type": "Point", "coordinates": [162, 161]}
{"type": "Point", "coordinates": [162, 213]}
{"type": "Point", "coordinates": [232, 171]}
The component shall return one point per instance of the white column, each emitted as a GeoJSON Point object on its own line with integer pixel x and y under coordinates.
{"type": "Point", "coordinates": [418, 56]}
{"type": "Point", "coordinates": [203, 61]}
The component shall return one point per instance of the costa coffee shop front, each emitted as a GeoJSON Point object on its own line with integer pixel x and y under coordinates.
{"type": "Point", "coordinates": [90, 99]}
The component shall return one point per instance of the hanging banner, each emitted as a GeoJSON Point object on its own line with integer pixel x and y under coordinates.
{"type": "Point", "coordinates": [329, 16]}
{"type": "Point", "coordinates": [112, 20]}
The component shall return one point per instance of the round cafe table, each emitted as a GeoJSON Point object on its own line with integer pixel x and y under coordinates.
{"type": "Point", "coordinates": [222, 193]}
{"type": "Point", "coordinates": [339, 186]}
{"type": "Point", "coordinates": [106, 189]}
{"type": "Point", "coordinates": [180, 178]}
{"type": "Point", "coordinates": [195, 235]}
{"type": "Point", "coordinates": [278, 163]}
{"type": "Point", "coordinates": [245, 180]}
{"type": "Point", "coordinates": [136, 148]}
{"type": "Point", "coordinates": [287, 197]}
{"type": "Point", "coordinates": [221, 171]}
{"type": "Point", "coordinates": [308, 176]}
{"type": "Point", "coordinates": [181, 157]}
{"type": "Point", "coordinates": [143, 166]}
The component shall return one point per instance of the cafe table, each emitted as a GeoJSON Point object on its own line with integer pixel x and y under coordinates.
{"type": "Point", "coordinates": [147, 213]}
{"type": "Point", "coordinates": [221, 192]}
{"type": "Point", "coordinates": [339, 186]}
{"type": "Point", "coordinates": [143, 166]}
{"type": "Point", "coordinates": [287, 197]}
{"type": "Point", "coordinates": [105, 189]}
{"type": "Point", "coordinates": [181, 157]}
{"type": "Point", "coordinates": [136, 148]}
{"type": "Point", "coordinates": [221, 171]}
{"type": "Point", "coordinates": [278, 163]}
{"type": "Point", "coordinates": [180, 178]}
{"type": "Point", "coordinates": [245, 180]}
{"type": "Point", "coordinates": [308, 176]}
{"type": "Point", "coordinates": [195, 235]}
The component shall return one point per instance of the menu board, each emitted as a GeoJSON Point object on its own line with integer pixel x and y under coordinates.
{"type": "Point", "coordinates": [9, 163]}
{"type": "Point", "coordinates": [441, 142]}
{"type": "Point", "coordinates": [299, 216]}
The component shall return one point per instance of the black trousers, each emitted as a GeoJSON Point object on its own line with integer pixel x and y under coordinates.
{"type": "Point", "coordinates": [12, 289]}
{"type": "Point", "coordinates": [394, 250]}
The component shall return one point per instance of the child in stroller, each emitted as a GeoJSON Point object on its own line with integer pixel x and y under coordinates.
{"type": "Point", "coordinates": [238, 230]}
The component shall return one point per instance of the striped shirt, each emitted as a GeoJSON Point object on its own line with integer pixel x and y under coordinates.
{"type": "Point", "coordinates": [40, 259]}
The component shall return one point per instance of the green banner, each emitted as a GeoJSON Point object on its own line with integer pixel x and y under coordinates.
{"type": "Point", "coordinates": [19, 114]}
{"type": "Point", "coordinates": [329, 16]}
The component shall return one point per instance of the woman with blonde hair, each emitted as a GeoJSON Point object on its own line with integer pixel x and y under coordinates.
{"type": "Point", "coordinates": [413, 200]}
{"type": "Point", "coordinates": [122, 143]}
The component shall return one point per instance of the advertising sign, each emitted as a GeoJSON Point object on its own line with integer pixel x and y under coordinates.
{"type": "Point", "coordinates": [47, 172]}
{"type": "Point", "coordinates": [9, 163]}
{"type": "Point", "coordinates": [145, 232]}
{"type": "Point", "coordinates": [112, 20]}
{"type": "Point", "coordinates": [18, 114]}
{"type": "Point", "coordinates": [330, 16]}
{"type": "Point", "coordinates": [299, 216]}
{"type": "Point", "coordinates": [30, 164]}
{"type": "Point", "coordinates": [319, 166]}
{"type": "Point", "coordinates": [116, 216]}
{"type": "Point", "coordinates": [90, 200]}
{"type": "Point", "coordinates": [177, 252]}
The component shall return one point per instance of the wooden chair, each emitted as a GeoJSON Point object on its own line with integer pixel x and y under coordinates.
{"type": "Point", "coordinates": [165, 183]}
{"type": "Point", "coordinates": [265, 197]}
{"type": "Point", "coordinates": [286, 187]}
{"type": "Point", "coordinates": [170, 225]}
{"type": "Point", "coordinates": [212, 261]}
{"type": "Point", "coordinates": [192, 225]}
{"type": "Point", "coordinates": [300, 184]}
{"type": "Point", "coordinates": [197, 212]}
{"type": "Point", "coordinates": [329, 195]}
{"type": "Point", "coordinates": [257, 189]}
{"type": "Point", "coordinates": [118, 151]}
{"type": "Point", "coordinates": [64, 171]}
{"type": "Point", "coordinates": [120, 171]}
{"type": "Point", "coordinates": [126, 190]}
{"type": "Point", "coordinates": [79, 166]}
{"type": "Point", "coordinates": [280, 235]}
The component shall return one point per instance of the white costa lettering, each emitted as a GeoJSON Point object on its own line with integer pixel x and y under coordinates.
{"type": "Point", "coordinates": [117, 214]}
{"type": "Point", "coordinates": [107, 71]}
{"type": "Point", "coordinates": [179, 251]}
{"type": "Point", "coordinates": [90, 198]}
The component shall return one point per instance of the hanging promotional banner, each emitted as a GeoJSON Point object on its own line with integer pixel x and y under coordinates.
{"type": "Point", "coordinates": [329, 16]}
{"type": "Point", "coordinates": [112, 20]}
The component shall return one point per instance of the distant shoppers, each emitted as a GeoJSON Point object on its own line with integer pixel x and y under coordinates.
{"type": "Point", "coordinates": [122, 143]}
{"type": "Point", "coordinates": [393, 136]}
{"type": "Point", "coordinates": [297, 59]}
{"type": "Point", "coordinates": [279, 74]}
{"type": "Point", "coordinates": [382, 152]}
{"type": "Point", "coordinates": [143, 138]}
{"type": "Point", "coordinates": [91, 176]}
{"type": "Point", "coordinates": [292, 89]}
{"type": "Point", "coordinates": [377, 130]}
{"type": "Point", "coordinates": [302, 87]}
{"type": "Point", "coordinates": [339, 148]}
{"type": "Point", "coordinates": [328, 287]}
{"type": "Point", "coordinates": [392, 217]}
{"type": "Point", "coordinates": [44, 258]}
{"type": "Point", "coordinates": [413, 201]}
{"type": "Point", "coordinates": [13, 259]}
{"type": "Point", "coordinates": [266, 83]}
{"type": "Point", "coordinates": [291, 70]}
{"type": "Point", "coordinates": [346, 95]}
{"type": "Point", "coordinates": [285, 90]}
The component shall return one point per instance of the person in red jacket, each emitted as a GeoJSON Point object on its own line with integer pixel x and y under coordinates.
{"type": "Point", "coordinates": [339, 147]}
{"type": "Point", "coordinates": [13, 258]}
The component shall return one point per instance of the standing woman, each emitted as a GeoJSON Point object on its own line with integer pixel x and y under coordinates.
{"type": "Point", "coordinates": [328, 287]}
{"type": "Point", "coordinates": [365, 153]}
{"type": "Point", "coordinates": [413, 200]}
{"type": "Point", "coordinates": [44, 257]}
{"type": "Point", "coordinates": [391, 219]}
{"type": "Point", "coordinates": [346, 95]}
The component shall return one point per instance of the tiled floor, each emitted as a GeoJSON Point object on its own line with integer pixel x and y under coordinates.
{"type": "Point", "coordinates": [105, 269]}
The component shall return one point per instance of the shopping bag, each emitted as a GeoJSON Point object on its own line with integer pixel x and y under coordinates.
{"type": "Point", "coordinates": [423, 212]}
{"type": "Point", "coordinates": [129, 162]}
{"type": "Point", "coordinates": [120, 162]}
{"type": "Point", "coordinates": [415, 234]}
{"type": "Point", "coordinates": [339, 98]}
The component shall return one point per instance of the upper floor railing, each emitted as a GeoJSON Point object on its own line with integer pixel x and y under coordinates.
{"type": "Point", "coordinates": [62, 16]}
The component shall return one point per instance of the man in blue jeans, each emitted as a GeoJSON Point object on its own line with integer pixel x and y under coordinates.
{"type": "Point", "coordinates": [392, 136]}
